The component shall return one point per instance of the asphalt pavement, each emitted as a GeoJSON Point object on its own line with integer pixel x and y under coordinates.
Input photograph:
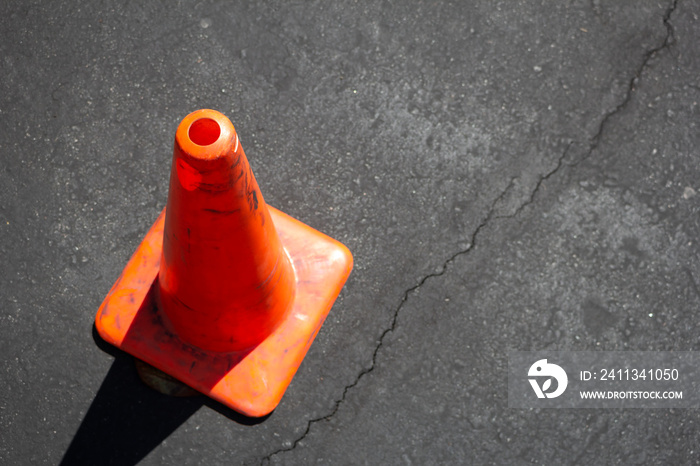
{"type": "Point", "coordinates": [509, 176]}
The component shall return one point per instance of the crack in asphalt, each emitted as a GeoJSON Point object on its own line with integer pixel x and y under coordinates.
{"type": "Point", "coordinates": [394, 320]}
{"type": "Point", "coordinates": [538, 185]}
{"type": "Point", "coordinates": [594, 143]}
{"type": "Point", "coordinates": [648, 55]}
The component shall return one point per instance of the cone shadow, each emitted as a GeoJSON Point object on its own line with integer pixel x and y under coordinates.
{"type": "Point", "coordinates": [127, 420]}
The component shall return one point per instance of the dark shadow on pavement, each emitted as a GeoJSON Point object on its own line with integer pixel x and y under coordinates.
{"type": "Point", "coordinates": [127, 419]}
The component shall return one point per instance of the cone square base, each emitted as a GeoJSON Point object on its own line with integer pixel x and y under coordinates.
{"type": "Point", "coordinates": [251, 382]}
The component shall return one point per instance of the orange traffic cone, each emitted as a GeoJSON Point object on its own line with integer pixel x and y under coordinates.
{"type": "Point", "coordinates": [224, 293]}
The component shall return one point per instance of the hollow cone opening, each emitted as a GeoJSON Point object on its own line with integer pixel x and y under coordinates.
{"type": "Point", "coordinates": [204, 132]}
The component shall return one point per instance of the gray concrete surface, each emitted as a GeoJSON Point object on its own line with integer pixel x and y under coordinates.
{"type": "Point", "coordinates": [509, 176]}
